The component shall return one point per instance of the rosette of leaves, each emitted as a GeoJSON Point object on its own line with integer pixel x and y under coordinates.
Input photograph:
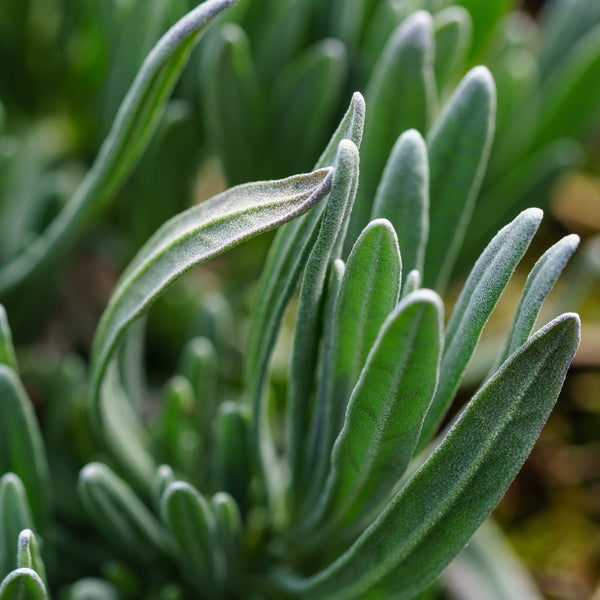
{"type": "Point", "coordinates": [336, 486]}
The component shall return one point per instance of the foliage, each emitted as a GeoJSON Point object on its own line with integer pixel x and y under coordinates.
{"type": "Point", "coordinates": [330, 484]}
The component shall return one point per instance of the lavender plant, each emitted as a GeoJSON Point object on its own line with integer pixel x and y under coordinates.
{"type": "Point", "coordinates": [337, 484]}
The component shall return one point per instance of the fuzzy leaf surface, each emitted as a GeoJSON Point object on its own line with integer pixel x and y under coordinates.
{"type": "Point", "coordinates": [539, 284]}
{"type": "Point", "coordinates": [386, 410]}
{"type": "Point", "coordinates": [195, 236]}
{"type": "Point", "coordinates": [477, 300]}
{"type": "Point", "coordinates": [133, 126]}
{"type": "Point", "coordinates": [459, 146]}
{"type": "Point", "coordinates": [327, 247]}
{"type": "Point", "coordinates": [449, 496]}
{"type": "Point", "coordinates": [23, 584]}
{"type": "Point", "coordinates": [403, 197]}
{"type": "Point", "coordinates": [400, 96]}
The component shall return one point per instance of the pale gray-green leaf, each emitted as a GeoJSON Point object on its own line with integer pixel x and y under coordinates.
{"type": "Point", "coordinates": [403, 197]}
{"type": "Point", "coordinates": [477, 300]}
{"type": "Point", "coordinates": [23, 584]}
{"type": "Point", "coordinates": [400, 95]}
{"type": "Point", "coordinates": [458, 485]}
{"type": "Point", "coordinates": [195, 236]}
{"type": "Point", "coordinates": [133, 126]}
{"type": "Point", "coordinates": [459, 146]}
{"type": "Point", "coordinates": [385, 413]}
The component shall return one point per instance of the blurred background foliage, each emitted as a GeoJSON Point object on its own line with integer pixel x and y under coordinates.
{"type": "Point", "coordinates": [259, 100]}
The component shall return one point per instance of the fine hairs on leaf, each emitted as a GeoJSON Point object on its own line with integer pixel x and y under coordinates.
{"type": "Point", "coordinates": [221, 436]}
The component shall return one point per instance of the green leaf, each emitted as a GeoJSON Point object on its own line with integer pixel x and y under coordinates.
{"type": "Point", "coordinates": [369, 291]}
{"type": "Point", "coordinates": [384, 415]}
{"type": "Point", "coordinates": [196, 235]}
{"type": "Point", "coordinates": [192, 523]}
{"type": "Point", "coordinates": [443, 503]}
{"type": "Point", "coordinates": [7, 350]}
{"type": "Point", "coordinates": [234, 115]}
{"type": "Point", "coordinates": [453, 30]}
{"type": "Point", "coordinates": [120, 515]}
{"type": "Point", "coordinates": [231, 452]}
{"type": "Point", "coordinates": [477, 300]}
{"type": "Point", "coordinates": [412, 282]}
{"type": "Point", "coordinates": [15, 516]}
{"type": "Point", "coordinates": [571, 95]}
{"type": "Point", "coordinates": [459, 146]}
{"type": "Point", "coordinates": [286, 259]}
{"type": "Point", "coordinates": [403, 197]}
{"type": "Point", "coordinates": [229, 535]}
{"type": "Point", "coordinates": [23, 584]}
{"type": "Point", "coordinates": [488, 568]}
{"type": "Point", "coordinates": [400, 96]}
{"type": "Point", "coordinates": [123, 432]}
{"type": "Point", "coordinates": [134, 124]}
{"type": "Point", "coordinates": [539, 284]}
{"type": "Point", "coordinates": [306, 97]}
{"type": "Point", "coordinates": [28, 553]}
{"type": "Point", "coordinates": [21, 445]}
{"type": "Point", "coordinates": [178, 429]}
{"type": "Point", "coordinates": [305, 346]}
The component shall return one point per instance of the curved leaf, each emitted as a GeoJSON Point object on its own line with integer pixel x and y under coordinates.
{"type": "Point", "coordinates": [23, 584]}
{"type": "Point", "coordinates": [403, 197]}
{"type": "Point", "coordinates": [442, 504]}
{"type": "Point", "coordinates": [7, 350]}
{"type": "Point", "coordinates": [385, 414]}
{"type": "Point", "coordinates": [308, 314]}
{"type": "Point", "coordinates": [135, 122]}
{"type": "Point", "coordinates": [120, 515]}
{"type": "Point", "coordinates": [539, 284]}
{"type": "Point", "coordinates": [196, 235]}
{"type": "Point", "coordinates": [459, 146]}
{"type": "Point", "coordinates": [400, 95]}
{"type": "Point", "coordinates": [193, 525]}
{"type": "Point", "coordinates": [477, 300]}
{"type": "Point", "coordinates": [21, 446]}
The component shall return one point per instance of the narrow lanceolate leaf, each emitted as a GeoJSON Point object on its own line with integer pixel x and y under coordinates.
{"type": "Point", "coordinates": [231, 452]}
{"type": "Point", "coordinates": [28, 553]}
{"type": "Point", "coordinates": [320, 438]}
{"type": "Point", "coordinates": [196, 235]}
{"type": "Point", "coordinates": [306, 97]}
{"type": "Point", "coordinates": [403, 197]}
{"type": "Point", "coordinates": [539, 283]}
{"type": "Point", "coordinates": [458, 485]}
{"type": "Point", "coordinates": [286, 259]}
{"type": "Point", "coordinates": [7, 351]}
{"type": "Point", "coordinates": [411, 283]}
{"type": "Point", "coordinates": [21, 445]}
{"type": "Point", "coordinates": [229, 536]}
{"type": "Point", "coordinates": [385, 413]}
{"type": "Point", "coordinates": [23, 584]}
{"type": "Point", "coordinates": [453, 30]}
{"type": "Point", "coordinates": [15, 516]}
{"type": "Point", "coordinates": [192, 523]}
{"type": "Point", "coordinates": [474, 306]}
{"type": "Point", "coordinates": [123, 432]}
{"type": "Point", "coordinates": [571, 95]}
{"type": "Point", "coordinates": [233, 113]}
{"type": "Point", "coordinates": [120, 515]}
{"type": "Point", "coordinates": [400, 96]}
{"type": "Point", "coordinates": [368, 293]}
{"type": "Point", "coordinates": [285, 262]}
{"type": "Point", "coordinates": [134, 124]}
{"type": "Point", "coordinates": [459, 146]}
{"type": "Point", "coordinates": [308, 314]}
